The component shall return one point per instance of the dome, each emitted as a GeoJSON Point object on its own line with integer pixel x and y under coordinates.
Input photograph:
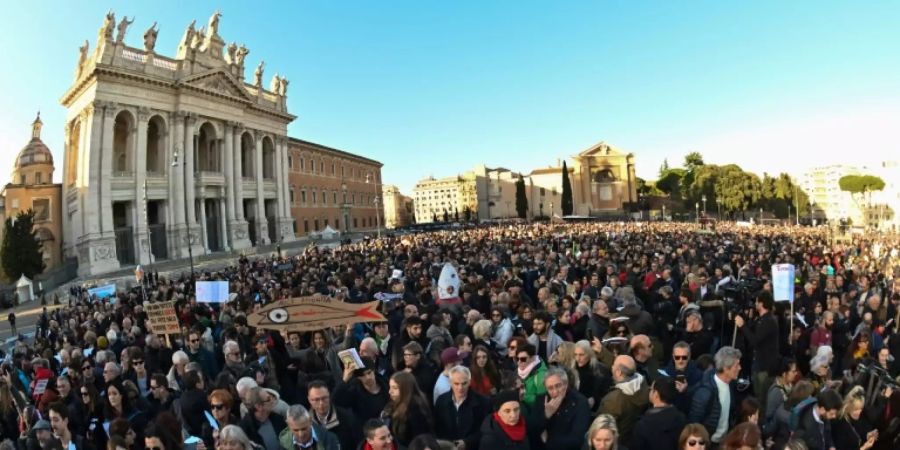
{"type": "Point", "coordinates": [36, 152]}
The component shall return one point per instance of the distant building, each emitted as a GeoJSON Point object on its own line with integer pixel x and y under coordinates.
{"type": "Point", "coordinates": [32, 188]}
{"type": "Point", "coordinates": [398, 208]}
{"type": "Point", "coordinates": [827, 200]}
{"type": "Point", "coordinates": [602, 178]}
{"type": "Point", "coordinates": [331, 187]}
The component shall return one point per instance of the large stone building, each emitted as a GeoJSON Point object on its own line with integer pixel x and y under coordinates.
{"type": "Point", "coordinates": [330, 187]}
{"type": "Point", "coordinates": [205, 150]}
{"type": "Point", "coordinates": [602, 178]}
{"type": "Point", "coordinates": [829, 203]}
{"type": "Point", "coordinates": [31, 187]}
{"type": "Point", "coordinates": [399, 210]}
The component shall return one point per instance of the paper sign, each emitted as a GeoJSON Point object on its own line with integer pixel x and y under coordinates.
{"type": "Point", "coordinates": [40, 387]}
{"type": "Point", "coordinates": [212, 291]}
{"type": "Point", "coordinates": [162, 318]}
{"type": "Point", "coordinates": [783, 282]}
{"type": "Point", "coordinates": [102, 292]}
{"type": "Point", "coordinates": [313, 313]}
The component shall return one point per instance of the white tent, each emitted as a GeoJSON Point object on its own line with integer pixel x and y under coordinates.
{"type": "Point", "coordinates": [329, 233]}
{"type": "Point", "coordinates": [25, 289]}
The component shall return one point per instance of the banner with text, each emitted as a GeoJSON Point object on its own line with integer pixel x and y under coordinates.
{"type": "Point", "coordinates": [162, 318]}
{"type": "Point", "coordinates": [783, 282]}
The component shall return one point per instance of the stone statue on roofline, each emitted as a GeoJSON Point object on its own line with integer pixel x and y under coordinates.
{"type": "Point", "coordinates": [284, 85]}
{"type": "Point", "coordinates": [106, 31]}
{"type": "Point", "coordinates": [214, 23]}
{"type": "Point", "coordinates": [188, 37]}
{"type": "Point", "coordinates": [82, 58]}
{"type": "Point", "coordinates": [150, 38]}
{"type": "Point", "coordinates": [275, 84]}
{"type": "Point", "coordinates": [123, 28]}
{"type": "Point", "coordinates": [241, 55]}
{"type": "Point", "coordinates": [232, 53]}
{"type": "Point", "coordinates": [257, 81]}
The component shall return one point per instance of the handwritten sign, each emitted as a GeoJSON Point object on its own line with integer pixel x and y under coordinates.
{"type": "Point", "coordinates": [313, 313]}
{"type": "Point", "coordinates": [162, 318]}
{"type": "Point", "coordinates": [783, 282]}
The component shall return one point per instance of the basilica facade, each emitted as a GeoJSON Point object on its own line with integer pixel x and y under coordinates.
{"type": "Point", "coordinates": [166, 154]}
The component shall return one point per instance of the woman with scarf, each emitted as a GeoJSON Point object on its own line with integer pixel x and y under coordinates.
{"type": "Point", "coordinates": [531, 371]}
{"type": "Point", "coordinates": [505, 429]}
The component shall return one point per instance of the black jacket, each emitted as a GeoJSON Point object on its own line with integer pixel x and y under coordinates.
{"type": "Point", "coordinates": [463, 424]}
{"type": "Point", "coordinates": [705, 407]}
{"type": "Point", "coordinates": [363, 403]}
{"type": "Point", "coordinates": [565, 428]}
{"type": "Point", "coordinates": [659, 429]}
{"type": "Point", "coordinates": [494, 438]}
{"type": "Point", "coordinates": [348, 430]}
{"type": "Point", "coordinates": [817, 436]}
{"type": "Point", "coordinates": [763, 339]}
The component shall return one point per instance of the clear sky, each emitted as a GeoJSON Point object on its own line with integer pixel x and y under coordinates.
{"type": "Point", "coordinates": [433, 88]}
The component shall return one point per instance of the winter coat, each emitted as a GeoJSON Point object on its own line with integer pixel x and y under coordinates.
{"type": "Point", "coordinates": [325, 440]}
{"type": "Point", "coordinates": [659, 429]}
{"type": "Point", "coordinates": [553, 342]}
{"type": "Point", "coordinates": [565, 428]}
{"type": "Point", "coordinates": [251, 427]}
{"type": "Point", "coordinates": [627, 402]}
{"type": "Point", "coordinates": [502, 334]}
{"type": "Point", "coordinates": [463, 424]}
{"type": "Point", "coordinates": [534, 384]}
{"type": "Point", "coordinates": [364, 404]}
{"type": "Point", "coordinates": [705, 406]}
{"type": "Point", "coordinates": [494, 438]}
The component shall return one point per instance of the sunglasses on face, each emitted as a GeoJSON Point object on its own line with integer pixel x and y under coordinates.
{"type": "Point", "coordinates": [138, 363]}
{"type": "Point", "coordinates": [522, 359]}
{"type": "Point", "coordinates": [217, 407]}
{"type": "Point", "coordinates": [679, 358]}
{"type": "Point", "coordinates": [695, 442]}
{"type": "Point", "coordinates": [194, 341]}
{"type": "Point", "coordinates": [85, 394]}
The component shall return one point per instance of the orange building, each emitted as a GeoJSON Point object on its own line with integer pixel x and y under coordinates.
{"type": "Point", "coordinates": [32, 188]}
{"type": "Point", "coordinates": [333, 188]}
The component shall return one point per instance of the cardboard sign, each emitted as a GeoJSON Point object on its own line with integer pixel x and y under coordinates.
{"type": "Point", "coordinates": [162, 318]}
{"type": "Point", "coordinates": [313, 313]}
{"type": "Point", "coordinates": [212, 291]}
{"type": "Point", "coordinates": [783, 282]}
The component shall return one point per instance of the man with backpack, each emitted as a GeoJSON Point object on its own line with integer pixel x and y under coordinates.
{"type": "Point", "coordinates": [811, 419]}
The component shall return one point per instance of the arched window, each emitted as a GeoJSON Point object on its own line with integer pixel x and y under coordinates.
{"type": "Point", "coordinates": [73, 152]}
{"type": "Point", "coordinates": [156, 150]}
{"type": "Point", "coordinates": [122, 142]}
{"type": "Point", "coordinates": [247, 159]}
{"type": "Point", "coordinates": [268, 158]}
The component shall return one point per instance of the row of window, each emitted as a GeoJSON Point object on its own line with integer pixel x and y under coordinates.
{"type": "Point", "coordinates": [321, 197]}
{"type": "Point", "coordinates": [40, 206]}
{"type": "Point", "coordinates": [366, 222]}
{"type": "Point", "coordinates": [38, 178]}
{"type": "Point", "coordinates": [319, 167]}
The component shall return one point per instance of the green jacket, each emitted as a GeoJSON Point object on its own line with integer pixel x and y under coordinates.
{"type": "Point", "coordinates": [325, 440]}
{"type": "Point", "coordinates": [534, 384]}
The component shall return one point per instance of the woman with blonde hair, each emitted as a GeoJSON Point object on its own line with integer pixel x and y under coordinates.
{"type": "Point", "coordinates": [603, 433]}
{"type": "Point", "coordinates": [853, 430]}
{"type": "Point", "coordinates": [564, 357]}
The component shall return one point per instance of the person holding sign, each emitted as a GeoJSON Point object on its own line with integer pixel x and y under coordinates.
{"type": "Point", "coordinates": [762, 336]}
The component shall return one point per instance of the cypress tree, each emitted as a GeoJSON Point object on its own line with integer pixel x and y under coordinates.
{"type": "Point", "coordinates": [566, 205]}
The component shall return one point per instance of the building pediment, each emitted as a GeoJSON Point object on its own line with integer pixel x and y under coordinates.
{"type": "Point", "coordinates": [217, 82]}
{"type": "Point", "coordinates": [600, 149]}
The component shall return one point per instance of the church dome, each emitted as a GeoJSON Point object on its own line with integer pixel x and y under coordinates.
{"type": "Point", "coordinates": [36, 152]}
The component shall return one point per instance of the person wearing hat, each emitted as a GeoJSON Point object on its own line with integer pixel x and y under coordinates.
{"type": "Point", "coordinates": [449, 359]}
{"type": "Point", "coordinates": [40, 437]}
{"type": "Point", "coordinates": [362, 391]}
{"type": "Point", "coordinates": [506, 427]}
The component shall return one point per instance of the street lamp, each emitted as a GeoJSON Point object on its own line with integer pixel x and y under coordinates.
{"type": "Point", "coordinates": [344, 206]}
{"type": "Point", "coordinates": [186, 220]}
{"type": "Point", "coordinates": [718, 209]}
{"type": "Point", "coordinates": [551, 211]}
{"type": "Point", "coordinates": [697, 209]}
{"type": "Point", "coordinates": [704, 203]}
{"type": "Point", "coordinates": [377, 213]}
{"type": "Point", "coordinates": [663, 213]}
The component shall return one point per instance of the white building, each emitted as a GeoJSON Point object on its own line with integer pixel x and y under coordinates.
{"type": "Point", "coordinates": [187, 136]}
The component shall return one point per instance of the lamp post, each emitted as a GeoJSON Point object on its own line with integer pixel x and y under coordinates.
{"type": "Point", "coordinates": [377, 213]}
{"type": "Point", "coordinates": [663, 213]}
{"type": "Point", "coordinates": [551, 212]}
{"type": "Point", "coordinates": [704, 203]}
{"type": "Point", "coordinates": [718, 209]}
{"type": "Point", "coordinates": [186, 221]}
{"type": "Point", "coordinates": [697, 211]}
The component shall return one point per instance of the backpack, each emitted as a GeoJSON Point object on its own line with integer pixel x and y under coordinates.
{"type": "Point", "coordinates": [798, 411]}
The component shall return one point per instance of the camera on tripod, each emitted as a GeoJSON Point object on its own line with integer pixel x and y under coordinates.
{"type": "Point", "coordinates": [868, 367]}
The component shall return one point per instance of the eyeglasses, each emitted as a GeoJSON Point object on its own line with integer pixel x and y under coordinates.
{"type": "Point", "coordinates": [194, 341]}
{"type": "Point", "coordinates": [86, 368]}
{"type": "Point", "coordinates": [522, 359]}
{"type": "Point", "coordinates": [138, 362]}
{"type": "Point", "coordinates": [694, 442]}
{"type": "Point", "coordinates": [680, 357]}
{"type": "Point", "coordinates": [85, 393]}
{"type": "Point", "coordinates": [217, 407]}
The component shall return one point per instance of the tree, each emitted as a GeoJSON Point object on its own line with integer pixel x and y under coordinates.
{"type": "Point", "coordinates": [456, 214]}
{"type": "Point", "coordinates": [566, 204]}
{"type": "Point", "coordinates": [861, 186]}
{"type": "Point", "coordinates": [670, 182]}
{"type": "Point", "coordinates": [664, 167]}
{"type": "Point", "coordinates": [446, 215]}
{"type": "Point", "coordinates": [521, 199]}
{"type": "Point", "coordinates": [467, 213]}
{"type": "Point", "coordinates": [21, 250]}
{"type": "Point", "coordinates": [692, 161]}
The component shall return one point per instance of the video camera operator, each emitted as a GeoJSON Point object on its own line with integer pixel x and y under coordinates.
{"type": "Point", "coordinates": [762, 336]}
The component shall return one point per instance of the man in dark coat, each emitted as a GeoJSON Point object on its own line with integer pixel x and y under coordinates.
{"type": "Point", "coordinates": [707, 405]}
{"type": "Point", "coordinates": [335, 419]}
{"type": "Point", "coordinates": [459, 413]}
{"type": "Point", "coordinates": [661, 425]}
{"type": "Point", "coordinates": [260, 425]}
{"type": "Point", "coordinates": [564, 415]}
{"type": "Point", "coordinates": [814, 424]}
{"type": "Point", "coordinates": [763, 339]}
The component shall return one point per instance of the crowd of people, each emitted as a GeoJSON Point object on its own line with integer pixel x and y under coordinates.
{"type": "Point", "coordinates": [593, 336]}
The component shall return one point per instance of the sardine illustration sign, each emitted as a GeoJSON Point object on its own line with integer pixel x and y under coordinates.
{"type": "Point", "coordinates": [313, 313]}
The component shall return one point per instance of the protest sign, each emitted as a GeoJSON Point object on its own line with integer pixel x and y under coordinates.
{"type": "Point", "coordinates": [212, 291]}
{"type": "Point", "coordinates": [783, 282]}
{"type": "Point", "coordinates": [162, 318]}
{"type": "Point", "coordinates": [313, 313]}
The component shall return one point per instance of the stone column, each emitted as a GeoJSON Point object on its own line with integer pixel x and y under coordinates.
{"type": "Point", "coordinates": [287, 219]}
{"type": "Point", "coordinates": [140, 176]}
{"type": "Point", "coordinates": [176, 173]}
{"type": "Point", "coordinates": [279, 191]}
{"type": "Point", "coordinates": [238, 173]}
{"type": "Point", "coordinates": [189, 193]}
{"type": "Point", "coordinates": [261, 222]}
{"type": "Point", "coordinates": [229, 171]}
{"type": "Point", "coordinates": [222, 204]}
{"type": "Point", "coordinates": [93, 146]}
{"type": "Point", "coordinates": [204, 238]}
{"type": "Point", "coordinates": [105, 200]}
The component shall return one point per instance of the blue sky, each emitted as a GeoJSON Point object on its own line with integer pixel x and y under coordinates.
{"type": "Point", "coordinates": [433, 88]}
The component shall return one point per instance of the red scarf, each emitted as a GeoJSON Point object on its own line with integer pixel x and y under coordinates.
{"type": "Point", "coordinates": [515, 432]}
{"type": "Point", "coordinates": [366, 445]}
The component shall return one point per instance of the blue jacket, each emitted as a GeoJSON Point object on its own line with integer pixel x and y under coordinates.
{"type": "Point", "coordinates": [694, 375]}
{"type": "Point", "coordinates": [705, 407]}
